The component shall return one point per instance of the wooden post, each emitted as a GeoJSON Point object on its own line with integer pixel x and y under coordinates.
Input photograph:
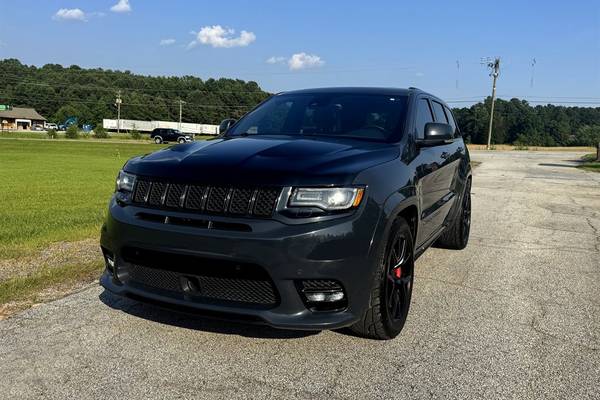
{"type": "Point", "coordinates": [598, 152]}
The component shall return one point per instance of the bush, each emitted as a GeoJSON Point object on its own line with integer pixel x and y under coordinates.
{"type": "Point", "coordinates": [519, 144]}
{"type": "Point", "coordinates": [52, 134]}
{"type": "Point", "coordinates": [135, 134]}
{"type": "Point", "coordinates": [100, 132]}
{"type": "Point", "coordinates": [72, 132]}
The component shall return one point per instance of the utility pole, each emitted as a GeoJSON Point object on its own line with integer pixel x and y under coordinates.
{"type": "Point", "coordinates": [118, 102]}
{"type": "Point", "coordinates": [181, 103]}
{"type": "Point", "coordinates": [495, 67]}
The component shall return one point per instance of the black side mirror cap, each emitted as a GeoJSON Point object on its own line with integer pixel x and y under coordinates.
{"type": "Point", "coordinates": [436, 134]}
{"type": "Point", "coordinates": [226, 124]}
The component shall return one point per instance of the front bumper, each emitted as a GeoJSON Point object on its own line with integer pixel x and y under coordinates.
{"type": "Point", "coordinates": [338, 249]}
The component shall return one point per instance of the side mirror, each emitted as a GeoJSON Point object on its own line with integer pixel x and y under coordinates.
{"type": "Point", "coordinates": [226, 124]}
{"type": "Point", "coordinates": [436, 134]}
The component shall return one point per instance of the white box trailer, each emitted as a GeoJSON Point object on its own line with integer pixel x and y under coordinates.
{"type": "Point", "coordinates": [149, 126]}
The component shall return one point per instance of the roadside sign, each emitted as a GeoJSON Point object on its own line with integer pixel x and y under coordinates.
{"type": "Point", "coordinates": [4, 107]}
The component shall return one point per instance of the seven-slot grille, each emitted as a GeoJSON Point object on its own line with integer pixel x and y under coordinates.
{"type": "Point", "coordinates": [259, 202]}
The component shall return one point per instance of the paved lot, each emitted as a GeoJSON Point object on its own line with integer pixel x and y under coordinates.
{"type": "Point", "coordinates": [515, 315]}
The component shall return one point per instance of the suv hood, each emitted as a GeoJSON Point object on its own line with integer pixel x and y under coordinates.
{"type": "Point", "coordinates": [264, 160]}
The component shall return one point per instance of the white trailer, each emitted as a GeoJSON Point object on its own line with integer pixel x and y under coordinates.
{"type": "Point", "coordinates": [149, 126]}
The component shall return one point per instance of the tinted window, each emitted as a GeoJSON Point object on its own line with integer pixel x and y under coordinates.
{"type": "Point", "coordinates": [438, 110]}
{"type": "Point", "coordinates": [423, 117]}
{"type": "Point", "coordinates": [354, 115]}
{"type": "Point", "coordinates": [451, 121]}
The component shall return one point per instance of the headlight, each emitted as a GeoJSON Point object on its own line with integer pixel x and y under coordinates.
{"type": "Point", "coordinates": [125, 182]}
{"type": "Point", "coordinates": [326, 198]}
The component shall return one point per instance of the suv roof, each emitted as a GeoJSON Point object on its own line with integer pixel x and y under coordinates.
{"type": "Point", "coordinates": [367, 90]}
{"type": "Point", "coordinates": [361, 90]}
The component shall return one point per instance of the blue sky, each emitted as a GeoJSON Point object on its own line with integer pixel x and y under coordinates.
{"type": "Point", "coordinates": [336, 43]}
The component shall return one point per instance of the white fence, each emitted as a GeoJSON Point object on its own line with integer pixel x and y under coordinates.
{"type": "Point", "coordinates": [148, 126]}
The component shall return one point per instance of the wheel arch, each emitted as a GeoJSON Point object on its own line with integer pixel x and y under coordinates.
{"type": "Point", "coordinates": [404, 204]}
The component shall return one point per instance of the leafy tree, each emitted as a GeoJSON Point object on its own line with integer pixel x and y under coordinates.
{"type": "Point", "coordinates": [89, 94]}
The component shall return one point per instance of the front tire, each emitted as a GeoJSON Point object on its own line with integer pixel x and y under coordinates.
{"type": "Point", "coordinates": [391, 292]}
{"type": "Point", "coordinates": [181, 140]}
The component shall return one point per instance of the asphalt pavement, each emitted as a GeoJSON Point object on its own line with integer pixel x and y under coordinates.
{"type": "Point", "coordinates": [515, 315]}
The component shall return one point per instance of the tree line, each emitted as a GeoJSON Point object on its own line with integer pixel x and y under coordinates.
{"type": "Point", "coordinates": [517, 122]}
{"type": "Point", "coordinates": [59, 92]}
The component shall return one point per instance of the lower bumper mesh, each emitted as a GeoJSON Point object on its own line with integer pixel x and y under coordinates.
{"type": "Point", "coordinates": [225, 289]}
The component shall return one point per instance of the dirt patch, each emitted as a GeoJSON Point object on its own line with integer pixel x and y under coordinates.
{"type": "Point", "coordinates": [57, 254]}
{"type": "Point", "coordinates": [44, 296]}
{"type": "Point", "coordinates": [54, 272]}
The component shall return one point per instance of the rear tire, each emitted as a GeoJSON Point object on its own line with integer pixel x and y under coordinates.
{"type": "Point", "coordinates": [456, 235]}
{"type": "Point", "coordinates": [391, 292]}
{"type": "Point", "coordinates": [158, 140]}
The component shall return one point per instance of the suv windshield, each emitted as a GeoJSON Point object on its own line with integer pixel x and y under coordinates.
{"type": "Point", "coordinates": [362, 116]}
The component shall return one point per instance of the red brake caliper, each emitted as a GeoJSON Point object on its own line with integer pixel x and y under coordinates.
{"type": "Point", "coordinates": [398, 272]}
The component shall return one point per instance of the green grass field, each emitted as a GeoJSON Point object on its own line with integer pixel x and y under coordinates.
{"type": "Point", "coordinates": [61, 135]}
{"type": "Point", "coordinates": [56, 190]}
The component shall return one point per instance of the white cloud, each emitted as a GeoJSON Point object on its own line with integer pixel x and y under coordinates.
{"type": "Point", "coordinates": [217, 36]}
{"type": "Point", "coordinates": [122, 6]}
{"type": "Point", "coordinates": [276, 60]}
{"type": "Point", "coordinates": [70, 14]}
{"type": "Point", "coordinates": [419, 74]}
{"type": "Point", "coordinates": [302, 60]}
{"type": "Point", "coordinates": [167, 42]}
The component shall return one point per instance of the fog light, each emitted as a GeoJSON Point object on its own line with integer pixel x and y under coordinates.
{"type": "Point", "coordinates": [322, 294]}
{"type": "Point", "coordinates": [318, 297]}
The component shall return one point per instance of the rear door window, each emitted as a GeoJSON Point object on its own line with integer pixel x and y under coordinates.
{"type": "Point", "coordinates": [452, 122]}
{"type": "Point", "coordinates": [423, 117]}
{"type": "Point", "coordinates": [438, 110]}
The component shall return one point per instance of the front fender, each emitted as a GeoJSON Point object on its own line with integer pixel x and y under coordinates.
{"type": "Point", "coordinates": [392, 207]}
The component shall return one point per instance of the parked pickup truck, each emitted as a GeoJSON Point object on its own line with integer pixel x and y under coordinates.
{"type": "Point", "coordinates": [307, 213]}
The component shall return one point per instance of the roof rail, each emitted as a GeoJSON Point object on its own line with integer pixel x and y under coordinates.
{"type": "Point", "coordinates": [414, 88]}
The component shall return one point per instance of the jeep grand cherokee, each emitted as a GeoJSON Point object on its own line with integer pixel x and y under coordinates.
{"type": "Point", "coordinates": [307, 213]}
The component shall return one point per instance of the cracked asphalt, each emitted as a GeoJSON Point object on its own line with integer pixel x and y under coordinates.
{"type": "Point", "coordinates": [515, 315]}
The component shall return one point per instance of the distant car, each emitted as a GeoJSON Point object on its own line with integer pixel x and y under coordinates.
{"type": "Point", "coordinates": [164, 135]}
{"type": "Point", "coordinates": [51, 126]}
{"type": "Point", "coordinates": [37, 128]}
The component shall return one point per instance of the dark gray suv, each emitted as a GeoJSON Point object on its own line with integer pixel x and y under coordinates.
{"type": "Point", "coordinates": [307, 213]}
